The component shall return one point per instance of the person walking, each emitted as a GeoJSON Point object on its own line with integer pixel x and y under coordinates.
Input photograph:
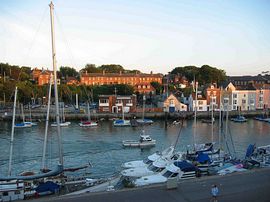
{"type": "Point", "coordinates": [214, 192]}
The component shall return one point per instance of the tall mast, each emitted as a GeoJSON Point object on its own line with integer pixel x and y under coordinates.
{"type": "Point", "coordinates": [195, 114]}
{"type": "Point", "coordinates": [61, 160]}
{"type": "Point", "coordinates": [47, 124]}
{"type": "Point", "coordinates": [143, 107]}
{"type": "Point", "coordinates": [212, 119]}
{"type": "Point", "coordinates": [220, 121]}
{"type": "Point", "coordinates": [12, 133]}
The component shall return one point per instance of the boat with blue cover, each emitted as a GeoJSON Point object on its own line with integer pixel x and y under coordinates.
{"type": "Point", "coordinates": [239, 119]}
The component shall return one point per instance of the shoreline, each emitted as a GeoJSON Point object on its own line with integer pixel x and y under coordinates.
{"type": "Point", "coordinates": [248, 186]}
{"type": "Point", "coordinates": [71, 115]}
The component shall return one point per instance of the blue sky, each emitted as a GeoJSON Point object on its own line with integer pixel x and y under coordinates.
{"type": "Point", "coordinates": [147, 35]}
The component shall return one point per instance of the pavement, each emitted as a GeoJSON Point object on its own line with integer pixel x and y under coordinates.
{"type": "Point", "coordinates": [249, 186]}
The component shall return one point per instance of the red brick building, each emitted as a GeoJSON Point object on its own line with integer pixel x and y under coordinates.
{"type": "Point", "coordinates": [72, 81]}
{"type": "Point", "coordinates": [115, 104]}
{"type": "Point", "coordinates": [213, 93]}
{"type": "Point", "coordinates": [144, 88]}
{"type": "Point", "coordinates": [119, 78]}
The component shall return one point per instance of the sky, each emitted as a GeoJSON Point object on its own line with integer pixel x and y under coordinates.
{"type": "Point", "coordinates": [152, 35]}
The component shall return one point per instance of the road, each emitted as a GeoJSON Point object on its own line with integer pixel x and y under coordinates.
{"type": "Point", "coordinates": [250, 186]}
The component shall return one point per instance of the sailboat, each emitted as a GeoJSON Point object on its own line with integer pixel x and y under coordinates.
{"type": "Point", "coordinates": [144, 120]}
{"type": "Point", "coordinates": [59, 169]}
{"type": "Point", "coordinates": [122, 122]}
{"type": "Point", "coordinates": [23, 124]}
{"type": "Point", "coordinates": [88, 123]}
{"type": "Point", "coordinates": [63, 123]}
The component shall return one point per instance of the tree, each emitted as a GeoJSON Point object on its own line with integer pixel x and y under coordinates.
{"type": "Point", "coordinates": [157, 86]}
{"type": "Point", "coordinates": [90, 68]}
{"type": "Point", "coordinates": [68, 72]}
{"type": "Point", "coordinates": [111, 68]}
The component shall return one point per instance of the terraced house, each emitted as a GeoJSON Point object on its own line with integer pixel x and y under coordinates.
{"type": "Point", "coordinates": [137, 79]}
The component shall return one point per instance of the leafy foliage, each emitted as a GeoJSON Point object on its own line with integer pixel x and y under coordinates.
{"type": "Point", "coordinates": [205, 74]}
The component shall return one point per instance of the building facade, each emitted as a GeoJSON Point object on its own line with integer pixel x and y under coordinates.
{"type": "Point", "coordinates": [172, 104]}
{"type": "Point", "coordinates": [117, 103]}
{"type": "Point", "coordinates": [119, 78]}
{"type": "Point", "coordinates": [213, 97]}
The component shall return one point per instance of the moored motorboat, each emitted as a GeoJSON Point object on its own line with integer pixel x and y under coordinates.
{"type": "Point", "coordinates": [144, 163]}
{"type": "Point", "coordinates": [239, 119]}
{"type": "Point", "coordinates": [145, 141]}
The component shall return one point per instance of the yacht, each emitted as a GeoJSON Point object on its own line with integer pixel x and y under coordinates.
{"type": "Point", "coordinates": [178, 169]}
{"type": "Point", "coordinates": [154, 167]}
{"type": "Point", "coordinates": [144, 163]}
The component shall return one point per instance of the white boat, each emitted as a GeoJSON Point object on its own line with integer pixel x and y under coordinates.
{"type": "Point", "coordinates": [178, 169]}
{"type": "Point", "coordinates": [88, 123]}
{"type": "Point", "coordinates": [12, 190]}
{"type": "Point", "coordinates": [144, 121]}
{"type": "Point", "coordinates": [145, 141]}
{"type": "Point", "coordinates": [23, 124]}
{"type": "Point", "coordinates": [239, 119]}
{"type": "Point", "coordinates": [121, 122]}
{"type": "Point", "coordinates": [144, 163]}
{"type": "Point", "coordinates": [154, 167]}
{"type": "Point", "coordinates": [62, 124]}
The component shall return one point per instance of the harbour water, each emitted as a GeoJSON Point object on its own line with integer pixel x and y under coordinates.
{"type": "Point", "coordinates": [102, 146]}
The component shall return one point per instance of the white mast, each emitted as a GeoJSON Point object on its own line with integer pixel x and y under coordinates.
{"type": "Point", "coordinates": [12, 133]}
{"type": "Point", "coordinates": [219, 131]}
{"type": "Point", "coordinates": [23, 118]}
{"type": "Point", "coordinates": [143, 107]}
{"type": "Point", "coordinates": [88, 111]}
{"type": "Point", "coordinates": [61, 160]}
{"type": "Point", "coordinates": [195, 115]}
{"type": "Point", "coordinates": [212, 119]}
{"type": "Point", "coordinates": [47, 124]}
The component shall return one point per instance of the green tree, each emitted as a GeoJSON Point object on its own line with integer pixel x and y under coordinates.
{"type": "Point", "coordinates": [111, 68]}
{"type": "Point", "coordinates": [91, 68]}
{"type": "Point", "coordinates": [68, 72]}
{"type": "Point", "coordinates": [157, 86]}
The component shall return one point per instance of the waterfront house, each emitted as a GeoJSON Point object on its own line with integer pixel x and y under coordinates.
{"type": "Point", "coordinates": [172, 104]}
{"type": "Point", "coordinates": [213, 97]}
{"type": "Point", "coordinates": [201, 103]}
{"type": "Point", "coordinates": [117, 103]}
{"type": "Point", "coordinates": [262, 96]}
{"type": "Point", "coordinates": [240, 98]}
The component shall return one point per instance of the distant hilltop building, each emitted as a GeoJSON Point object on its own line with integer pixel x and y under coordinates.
{"type": "Point", "coordinates": [42, 77]}
{"type": "Point", "coordinates": [140, 81]}
{"type": "Point", "coordinates": [245, 80]}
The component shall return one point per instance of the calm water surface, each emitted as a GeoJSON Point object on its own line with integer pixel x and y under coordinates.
{"type": "Point", "coordinates": [102, 145]}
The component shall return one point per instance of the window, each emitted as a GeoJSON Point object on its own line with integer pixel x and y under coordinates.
{"type": "Point", "coordinates": [260, 99]}
{"type": "Point", "coordinates": [235, 102]}
{"type": "Point", "coordinates": [200, 102]}
{"type": "Point", "coordinates": [129, 101]}
{"type": "Point", "coordinates": [105, 109]}
{"type": "Point", "coordinates": [234, 95]}
{"type": "Point", "coordinates": [171, 101]}
{"type": "Point", "coordinates": [243, 101]}
{"type": "Point", "coordinates": [118, 101]}
{"type": "Point", "coordinates": [103, 101]}
{"type": "Point", "coordinates": [200, 108]}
